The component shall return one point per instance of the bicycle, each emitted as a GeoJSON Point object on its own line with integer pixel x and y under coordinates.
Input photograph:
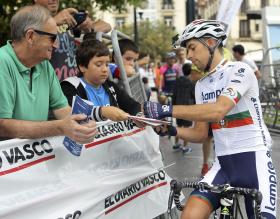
{"type": "Point", "coordinates": [229, 202]}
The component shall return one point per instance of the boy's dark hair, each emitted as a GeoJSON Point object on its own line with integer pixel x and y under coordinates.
{"type": "Point", "coordinates": [145, 80]}
{"type": "Point", "coordinates": [127, 45]}
{"type": "Point", "coordinates": [239, 49]}
{"type": "Point", "coordinates": [87, 50]}
{"type": "Point", "coordinates": [187, 68]}
{"type": "Point", "coordinates": [89, 36]}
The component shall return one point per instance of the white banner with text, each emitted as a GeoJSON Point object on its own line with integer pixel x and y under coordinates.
{"type": "Point", "coordinates": [118, 175]}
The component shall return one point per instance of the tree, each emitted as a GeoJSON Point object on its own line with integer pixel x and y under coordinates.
{"type": "Point", "coordinates": [154, 38]}
{"type": "Point", "coordinates": [9, 7]}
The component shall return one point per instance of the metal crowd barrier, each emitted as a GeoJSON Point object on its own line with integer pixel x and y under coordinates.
{"type": "Point", "coordinates": [133, 85]}
{"type": "Point", "coordinates": [270, 88]}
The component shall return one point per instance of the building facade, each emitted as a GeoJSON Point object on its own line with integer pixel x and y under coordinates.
{"type": "Point", "coordinates": [171, 12]}
{"type": "Point", "coordinates": [246, 27]}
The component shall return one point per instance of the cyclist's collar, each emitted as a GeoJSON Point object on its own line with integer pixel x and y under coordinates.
{"type": "Point", "coordinates": [219, 66]}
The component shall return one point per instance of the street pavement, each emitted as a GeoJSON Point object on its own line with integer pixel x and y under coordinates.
{"type": "Point", "coordinates": [188, 167]}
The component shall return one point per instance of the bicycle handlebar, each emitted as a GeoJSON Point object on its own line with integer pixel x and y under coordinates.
{"type": "Point", "coordinates": [177, 186]}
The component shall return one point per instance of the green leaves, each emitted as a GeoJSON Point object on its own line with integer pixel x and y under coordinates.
{"type": "Point", "coordinates": [9, 7]}
{"type": "Point", "coordinates": [154, 38]}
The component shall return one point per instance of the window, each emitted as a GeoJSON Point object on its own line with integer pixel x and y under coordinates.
{"type": "Point", "coordinates": [257, 27]}
{"type": "Point", "coordinates": [244, 28]}
{"type": "Point", "coordinates": [168, 21]}
{"type": "Point", "coordinates": [119, 22]}
{"type": "Point", "coordinates": [167, 4]}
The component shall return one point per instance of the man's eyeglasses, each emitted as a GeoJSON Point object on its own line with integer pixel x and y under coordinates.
{"type": "Point", "coordinates": [52, 36]}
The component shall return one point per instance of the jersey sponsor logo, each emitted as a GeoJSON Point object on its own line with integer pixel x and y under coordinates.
{"type": "Point", "coordinates": [232, 94]}
{"type": "Point", "coordinates": [259, 118]}
{"type": "Point", "coordinates": [165, 108]}
{"type": "Point", "coordinates": [75, 215]}
{"type": "Point", "coordinates": [235, 81]}
{"type": "Point", "coordinates": [272, 185]}
{"type": "Point", "coordinates": [221, 76]}
{"type": "Point", "coordinates": [240, 72]}
{"type": "Point", "coordinates": [211, 95]}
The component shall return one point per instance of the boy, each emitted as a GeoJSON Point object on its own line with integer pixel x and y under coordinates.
{"type": "Point", "coordinates": [91, 84]}
{"type": "Point", "coordinates": [130, 54]}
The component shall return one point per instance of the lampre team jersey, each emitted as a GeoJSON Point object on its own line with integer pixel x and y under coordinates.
{"type": "Point", "coordinates": [243, 128]}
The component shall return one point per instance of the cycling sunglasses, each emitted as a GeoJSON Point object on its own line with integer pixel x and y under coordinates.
{"type": "Point", "coordinates": [52, 36]}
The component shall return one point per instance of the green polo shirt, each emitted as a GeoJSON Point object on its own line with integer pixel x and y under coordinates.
{"type": "Point", "coordinates": [25, 100]}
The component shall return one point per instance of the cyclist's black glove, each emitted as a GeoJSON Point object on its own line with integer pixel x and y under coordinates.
{"type": "Point", "coordinates": [166, 130]}
{"type": "Point", "coordinates": [156, 110]}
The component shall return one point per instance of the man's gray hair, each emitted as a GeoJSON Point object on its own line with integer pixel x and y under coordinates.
{"type": "Point", "coordinates": [28, 17]}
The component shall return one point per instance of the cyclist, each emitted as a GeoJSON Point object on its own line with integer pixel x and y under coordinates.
{"type": "Point", "coordinates": [227, 96]}
{"type": "Point", "coordinates": [169, 73]}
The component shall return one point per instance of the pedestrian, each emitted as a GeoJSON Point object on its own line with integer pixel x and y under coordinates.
{"type": "Point", "coordinates": [63, 57]}
{"type": "Point", "coordinates": [183, 94]}
{"type": "Point", "coordinates": [239, 55]}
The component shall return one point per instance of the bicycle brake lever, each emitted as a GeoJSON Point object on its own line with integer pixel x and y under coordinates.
{"type": "Point", "coordinates": [170, 201]}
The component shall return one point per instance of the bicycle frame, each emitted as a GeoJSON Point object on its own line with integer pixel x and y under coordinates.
{"type": "Point", "coordinates": [228, 197]}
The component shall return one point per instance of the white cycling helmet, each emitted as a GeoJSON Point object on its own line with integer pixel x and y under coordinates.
{"type": "Point", "coordinates": [201, 28]}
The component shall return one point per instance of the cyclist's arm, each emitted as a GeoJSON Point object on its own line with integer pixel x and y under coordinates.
{"type": "Point", "coordinates": [212, 112]}
{"type": "Point", "coordinates": [198, 133]}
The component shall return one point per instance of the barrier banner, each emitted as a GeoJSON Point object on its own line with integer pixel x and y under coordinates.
{"type": "Point", "coordinates": [227, 12]}
{"type": "Point", "coordinates": [118, 175]}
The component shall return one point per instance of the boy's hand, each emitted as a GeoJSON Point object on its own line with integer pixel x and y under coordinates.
{"type": "Point", "coordinates": [113, 113]}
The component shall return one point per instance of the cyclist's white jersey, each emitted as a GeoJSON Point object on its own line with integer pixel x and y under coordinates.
{"type": "Point", "coordinates": [243, 128]}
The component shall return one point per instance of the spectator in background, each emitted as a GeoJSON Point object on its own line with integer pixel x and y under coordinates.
{"type": "Point", "coordinates": [146, 87]}
{"type": "Point", "coordinates": [63, 57]}
{"type": "Point", "coordinates": [181, 60]}
{"type": "Point", "coordinates": [91, 84]}
{"type": "Point", "coordinates": [195, 75]}
{"type": "Point", "coordinates": [183, 94]}
{"type": "Point", "coordinates": [130, 54]}
{"type": "Point", "coordinates": [239, 55]}
{"type": "Point", "coordinates": [29, 87]}
{"type": "Point", "coordinates": [157, 76]}
{"type": "Point", "coordinates": [169, 74]}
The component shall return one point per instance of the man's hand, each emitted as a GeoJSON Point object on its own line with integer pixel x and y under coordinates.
{"type": "Point", "coordinates": [101, 26]}
{"type": "Point", "coordinates": [86, 26]}
{"type": "Point", "coordinates": [164, 130]}
{"type": "Point", "coordinates": [113, 113]}
{"type": "Point", "coordinates": [156, 110]}
{"type": "Point", "coordinates": [66, 17]}
{"type": "Point", "coordinates": [81, 133]}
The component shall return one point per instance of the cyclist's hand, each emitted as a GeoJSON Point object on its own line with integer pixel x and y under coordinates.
{"type": "Point", "coordinates": [164, 130]}
{"type": "Point", "coordinates": [156, 110]}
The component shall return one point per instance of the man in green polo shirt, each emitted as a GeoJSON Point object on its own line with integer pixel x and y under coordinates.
{"type": "Point", "coordinates": [29, 87]}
